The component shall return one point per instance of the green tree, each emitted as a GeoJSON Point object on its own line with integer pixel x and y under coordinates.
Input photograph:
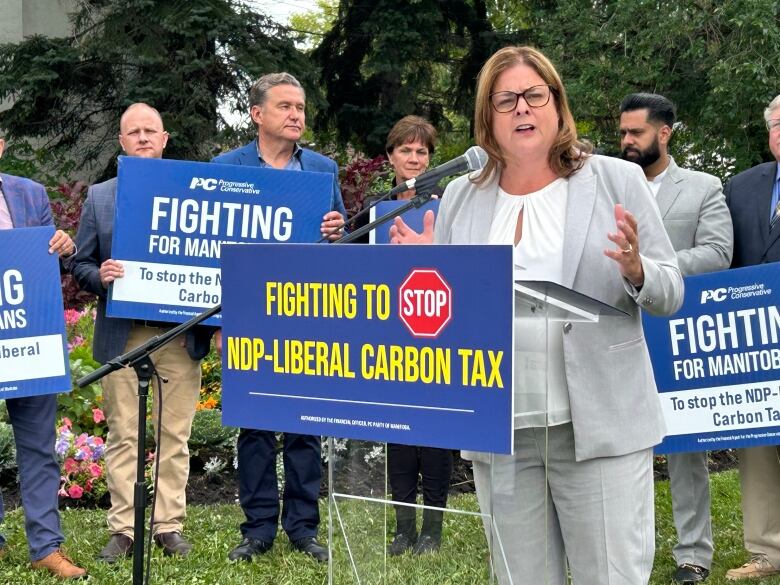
{"type": "Point", "coordinates": [716, 59]}
{"type": "Point", "coordinates": [316, 23]}
{"type": "Point", "coordinates": [383, 60]}
{"type": "Point", "coordinates": [185, 57]}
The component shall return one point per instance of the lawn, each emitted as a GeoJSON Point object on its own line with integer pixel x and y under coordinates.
{"type": "Point", "coordinates": [213, 530]}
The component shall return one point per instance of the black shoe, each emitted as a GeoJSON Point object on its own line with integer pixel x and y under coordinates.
{"type": "Point", "coordinates": [173, 544]}
{"type": "Point", "coordinates": [426, 544]}
{"type": "Point", "coordinates": [118, 547]}
{"type": "Point", "coordinates": [401, 543]}
{"type": "Point", "coordinates": [310, 546]}
{"type": "Point", "coordinates": [687, 574]}
{"type": "Point", "coordinates": [248, 548]}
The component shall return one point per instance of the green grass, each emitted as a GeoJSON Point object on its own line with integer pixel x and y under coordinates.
{"type": "Point", "coordinates": [726, 525]}
{"type": "Point", "coordinates": [214, 530]}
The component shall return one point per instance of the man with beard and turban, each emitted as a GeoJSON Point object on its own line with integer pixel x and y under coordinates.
{"type": "Point", "coordinates": [698, 222]}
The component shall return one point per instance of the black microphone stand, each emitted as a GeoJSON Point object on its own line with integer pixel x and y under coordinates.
{"type": "Point", "coordinates": [421, 197]}
{"type": "Point", "coordinates": [139, 359]}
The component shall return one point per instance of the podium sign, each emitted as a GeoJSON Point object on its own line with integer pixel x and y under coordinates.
{"type": "Point", "coordinates": [33, 351]}
{"type": "Point", "coordinates": [173, 216]}
{"type": "Point", "coordinates": [402, 344]}
{"type": "Point", "coordinates": [717, 361]}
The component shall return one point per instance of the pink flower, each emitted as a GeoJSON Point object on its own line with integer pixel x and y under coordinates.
{"type": "Point", "coordinates": [66, 422]}
{"type": "Point", "coordinates": [70, 465]}
{"type": "Point", "coordinates": [97, 415]}
{"type": "Point", "coordinates": [62, 492]}
{"type": "Point", "coordinates": [77, 342]}
{"type": "Point", "coordinates": [88, 485]}
{"type": "Point", "coordinates": [75, 491]}
{"type": "Point", "coordinates": [81, 440]}
{"type": "Point", "coordinates": [95, 469]}
{"type": "Point", "coordinates": [72, 316]}
{"type": "Point", "coordinates": [97, 440]}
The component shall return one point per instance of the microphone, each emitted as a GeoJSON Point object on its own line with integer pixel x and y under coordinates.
{"type": "Point", "coordinates": [471, 160]}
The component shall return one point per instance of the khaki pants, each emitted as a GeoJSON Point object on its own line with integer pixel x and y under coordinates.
{"type": "Point", "coordinates": [120, 400]}
{"type": "Point", "coordinates": [759, 473]}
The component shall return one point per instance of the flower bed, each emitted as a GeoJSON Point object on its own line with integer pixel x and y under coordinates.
{"type": "Point", "coordinates": [83, 464]}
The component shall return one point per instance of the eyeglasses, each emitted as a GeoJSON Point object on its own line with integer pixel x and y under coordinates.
{"type": "Point", "coordinates": [773, 124]}
{"type": "Point", "coordinates": [536, 96]}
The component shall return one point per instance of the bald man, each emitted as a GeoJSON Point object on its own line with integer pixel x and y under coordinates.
{"type": "Point", "coordinates": [141, 133]}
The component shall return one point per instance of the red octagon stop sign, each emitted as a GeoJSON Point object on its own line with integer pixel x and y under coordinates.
{"type": "Point", "coordinates": [425, 302]}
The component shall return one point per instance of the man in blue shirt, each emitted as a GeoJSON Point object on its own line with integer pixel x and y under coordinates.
{"type": "Point", "coordinates": [24, 203]}
{"type": "Point", "coordinates": [278, 110]}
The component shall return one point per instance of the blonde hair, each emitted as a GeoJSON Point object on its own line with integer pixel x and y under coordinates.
{"type": "Point", "coordinates": [567, 154]}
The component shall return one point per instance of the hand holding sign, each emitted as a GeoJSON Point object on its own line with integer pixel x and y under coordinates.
{"type": "Point", "coordinates": [110, 270]}
{"type": "Point", "coordinates": [332, 225]}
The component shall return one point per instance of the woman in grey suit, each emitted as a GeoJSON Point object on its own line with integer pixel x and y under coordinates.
{"type": "Point", "coordinates": [578, 490]}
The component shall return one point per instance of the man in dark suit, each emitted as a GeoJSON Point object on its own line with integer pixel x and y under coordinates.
{"type": "Point", "coordinates": [278, 110]}
{"type": "Point", "coordinates": [753, 197]}
{"type": "Point", "coordinates": [698, 223]}
{"type": "Point", "coordinates": [24, 203]}
{"type": "Point", "coordinates": [141, 134]}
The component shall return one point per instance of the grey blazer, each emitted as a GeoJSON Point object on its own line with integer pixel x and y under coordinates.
{"type": "Point", "coordinates": [93, 247]}
{"type": "Point", "coordinates": [695, 215]}
{"type": "Point", "coordinates": [615, 407]}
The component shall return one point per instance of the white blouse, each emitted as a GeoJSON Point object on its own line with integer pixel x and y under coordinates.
{"type": "Point", "coordinates": [538, 256]}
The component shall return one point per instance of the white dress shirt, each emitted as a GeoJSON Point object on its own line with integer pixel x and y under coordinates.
{"type": "Point", "coordinates": [540, 391]}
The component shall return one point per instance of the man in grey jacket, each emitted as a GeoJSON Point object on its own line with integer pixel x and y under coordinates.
{"type": "Point", "coordinates": [698, 222]}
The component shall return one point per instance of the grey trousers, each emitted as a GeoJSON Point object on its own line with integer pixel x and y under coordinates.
{"type": "Point", "coordinates": [549, 509]}
{"type": "Point", "coordinates": [690, 486]}
{"type": "Point", "coordinates": [759, 474]}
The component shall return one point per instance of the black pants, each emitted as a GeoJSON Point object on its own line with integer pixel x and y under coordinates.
{"type": "Point", "coordinates": [258, 492]}
{"type": "Point", "coordinates": [405, 463]}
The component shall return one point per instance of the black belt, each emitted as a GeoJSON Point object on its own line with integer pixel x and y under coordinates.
{"type": "Point", "coordinates": [155, 324]}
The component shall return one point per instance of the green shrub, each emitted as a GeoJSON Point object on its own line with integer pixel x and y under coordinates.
{"type": "Point", "coordinates": [81, 406]}
{"type": "Point", "coordinates": [7, 450]}
{"type": "Point", "coordinates": [208, 432]}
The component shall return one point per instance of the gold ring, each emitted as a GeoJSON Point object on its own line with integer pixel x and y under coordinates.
{"type": "Point", "coordinates": [628, 250]}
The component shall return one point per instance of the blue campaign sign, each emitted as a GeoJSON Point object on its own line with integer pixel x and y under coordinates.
{"type": "Point", "coordinates": [402, 344]}
{"type": "Point", "coordinates": [717, 361]}
{"type": "Point", "coordinates": [412, 217]}
{"type": "Point", "coordinates": [173, 216]}
{"type": "Point", "coordinates": [33, 350]}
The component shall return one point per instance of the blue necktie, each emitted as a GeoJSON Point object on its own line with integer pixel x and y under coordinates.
{"type": "Point", "coordinates": [773, 221]}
